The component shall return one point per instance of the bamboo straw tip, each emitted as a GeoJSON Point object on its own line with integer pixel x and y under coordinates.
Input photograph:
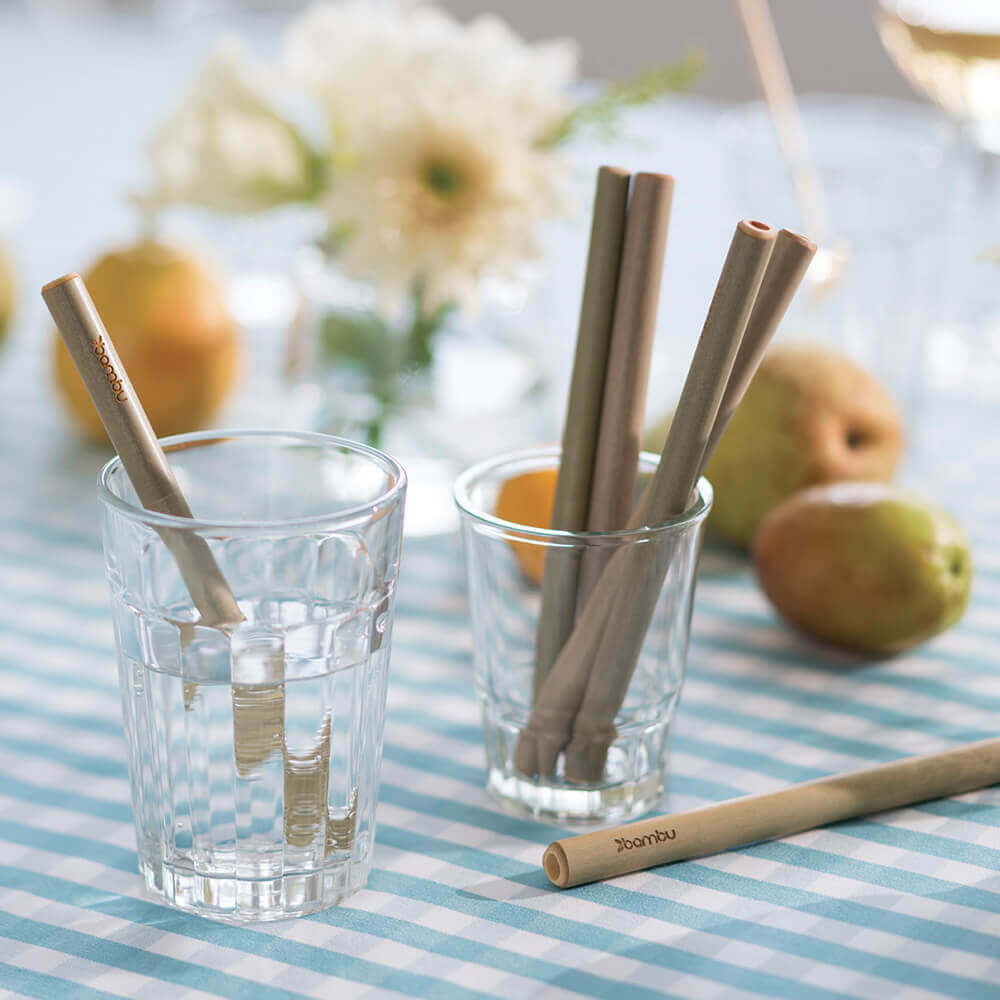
{"type": "Point", "coordinates": [618, 172]}
{"type": "Point", "coordinates": [758, 230]}
{"type": "Point", "coordinates": [556, 865]}
{"type": "Point", "coordinates": [645, 177]}
{"type": "Point", "coordinates": [56, 282]}
{"type": "Point", "coordinates": [803, 241]}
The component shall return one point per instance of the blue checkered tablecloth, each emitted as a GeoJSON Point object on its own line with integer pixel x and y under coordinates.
{"type": "Point", "coordinates": [903, 904]}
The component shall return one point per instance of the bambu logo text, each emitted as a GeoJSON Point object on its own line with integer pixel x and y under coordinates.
{"type": "Point", "coordinates": [117, 386]}
{"type": "Point", "coordinates": [656, 837]}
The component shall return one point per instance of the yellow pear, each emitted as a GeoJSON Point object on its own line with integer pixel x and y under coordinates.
{"type": "Point", "coordinates": [166, 314]}
{"type": "Point", "coordinates": [864, 565]}
{"type": "Point", "coordinates": [810, 416]}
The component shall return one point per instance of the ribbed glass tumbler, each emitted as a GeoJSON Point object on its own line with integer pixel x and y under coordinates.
{"type": "Point", "coordinates": [254, 745]}
{"type": "Point", "coordinates": [654, 570]}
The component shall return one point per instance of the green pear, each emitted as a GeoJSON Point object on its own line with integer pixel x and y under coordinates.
{"type": "Point", "coordinates": [8, 291]}
{"type": "Point", "coordinates": [863, 565]}
{"type": "Point", "coordinates": [810, 416]}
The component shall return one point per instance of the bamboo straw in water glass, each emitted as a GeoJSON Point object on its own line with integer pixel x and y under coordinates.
{"type": "Point", "coordinates": [623, 409]}
{"type": "Point", "coordinates": [583, 414]}
{"type": "Point", "coordinates": [258, 711]}
{"type": "Point", "coordinates": [753, 818]}
{"type": "Point", "coordinates": [629, 577]}
{"type": "Point", "coordinates": [132, 436]}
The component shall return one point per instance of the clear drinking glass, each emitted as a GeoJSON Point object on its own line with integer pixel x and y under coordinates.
{"type": "Point", "coordinates": [254, 748]}
{"type": "Point", "coordinates": [503, 565]}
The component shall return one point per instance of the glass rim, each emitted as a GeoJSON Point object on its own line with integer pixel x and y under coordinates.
{"type": "Point", "coordinates": [345, 517]}
{"type": "Point", "coordinates": [461, 494]}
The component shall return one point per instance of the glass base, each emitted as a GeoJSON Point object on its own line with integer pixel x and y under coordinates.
{"type": "Point", "coordinates": [526, 798]}
{"type": "Point", "coordinates": [633, 782]}
{"type": "Point", "coordinates": [248, 900]}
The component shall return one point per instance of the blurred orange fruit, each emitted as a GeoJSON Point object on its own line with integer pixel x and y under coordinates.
{"type": "Point", "coordinates": [167, 317]}
{"type": "Point", "coordinates": [527, 499]}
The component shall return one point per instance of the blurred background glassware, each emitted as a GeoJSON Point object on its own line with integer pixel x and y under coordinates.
{"type": "Point", "coordinates": [306, 530]}
{"type": "Point", "coordinates": [504, 602]}
{"type": "Point", "coordinates": [475, 387]}
{"type": "Point", "coordinates": [887, 172]}
{"type": "Point", "coordinates": [950, 51]}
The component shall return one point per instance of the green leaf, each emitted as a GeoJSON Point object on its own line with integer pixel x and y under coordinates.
{"type": "Point", "coordinates": [424, 328]}
{"type": "Point", "coordinates": [361, 337]}
{"type": "Point", "coordinates": [649, 85]}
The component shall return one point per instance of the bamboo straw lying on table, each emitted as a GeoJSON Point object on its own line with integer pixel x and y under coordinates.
{"type": "Point", "coordinates": [753, 818]}
{"type": "Point", "coordinates": [623, 410]}
{"type": "Point", "coordinates": [583, 414]}
{"type": "Point", "coordinates": [627, 583]}
{"type": "Point", "coordinates": [258, 710]}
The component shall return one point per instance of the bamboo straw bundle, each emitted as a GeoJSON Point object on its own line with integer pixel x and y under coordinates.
{"type": "Point", "coordinates": [577, 702]}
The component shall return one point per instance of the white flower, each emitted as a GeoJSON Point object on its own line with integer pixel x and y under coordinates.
{"type": "Point", "coordinates": [437, 127]}
{"type": "Point", "coordinates": [226, 147]}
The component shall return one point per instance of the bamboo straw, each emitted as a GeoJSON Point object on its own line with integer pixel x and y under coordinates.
{"type": "Point", "coordinates": [788, 264]}
{"type": "Point", "coordinates": [628, 580]}
{"type": "Point", "coordinates": [258, 711]}
{"type": "Point", "coordinates": [623, 410]}
{"type": "Point", "coordinates": [583, 414]}
{"type": "Point", "coordinates": [133, 438]}
{"type": "Point", "coordinates": [305, 791]}
{"type": "Point", "coordinates": [668, 496]}
{"type": "Point", "coordinates": [340, 829]}
{"type": "Point", "coordinates": [776, 85]}
{"type": "Point", "coordinates": [753, 818]}
{"type": "Point", "coordinates": [785, 270]}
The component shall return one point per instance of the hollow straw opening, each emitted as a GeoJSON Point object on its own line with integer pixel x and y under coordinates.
{"type": "Point", "coordinates": [344, 517]}
{"type": "Point", "coordinates": [539, 458]}
{"type": "Point", "coordinates": [556, 865]}
{"type": "Point", "coordinates": [763, 226]}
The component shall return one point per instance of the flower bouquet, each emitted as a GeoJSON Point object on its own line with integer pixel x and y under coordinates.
{"type": "Point", "coordinates": [432, 152]}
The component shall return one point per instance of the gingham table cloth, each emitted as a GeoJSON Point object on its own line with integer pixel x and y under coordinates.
{"type": "Point", "coordinates": [903, 904]}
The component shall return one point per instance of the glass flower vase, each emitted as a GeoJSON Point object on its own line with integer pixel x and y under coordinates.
{"type": "Point", "coordinates": [437, 390]}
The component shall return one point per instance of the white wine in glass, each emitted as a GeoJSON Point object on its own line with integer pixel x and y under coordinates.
{"type": "Point", "coordinates": [950, 49]}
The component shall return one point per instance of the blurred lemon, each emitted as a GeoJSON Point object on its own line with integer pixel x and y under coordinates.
{"type": "Point", "coordinates": [167, 317]}
{"type": "Point", "coordinates": [527, 499]}
{"type": "Point", "coordinates": [8, 293]}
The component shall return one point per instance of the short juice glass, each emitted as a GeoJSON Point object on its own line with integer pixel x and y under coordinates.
{"type": "Point", "coordinates": [254, 747]}
{"type": "Point", "coordinates": [504, 562]}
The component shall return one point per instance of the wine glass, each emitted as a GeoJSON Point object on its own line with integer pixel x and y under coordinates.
{"type": "Point", "coordinates": [950, 51]}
